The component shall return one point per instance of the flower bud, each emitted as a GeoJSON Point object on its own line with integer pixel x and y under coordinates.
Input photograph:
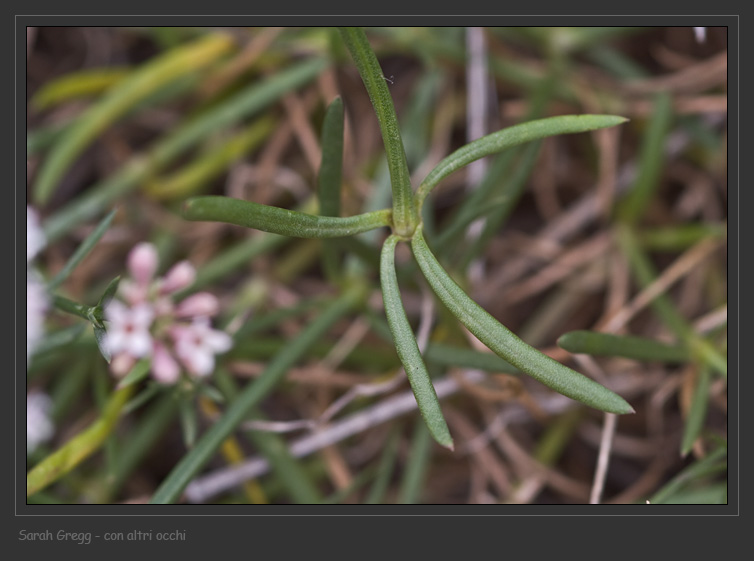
{"type": "Point", "coordinates": [202, 304]}
{"type": "Point", "coordinates": [164, 367]}
{"type": "Point", "coordinates": [178, 277]}
{"type": "Point", "coordinates": [142, 263]}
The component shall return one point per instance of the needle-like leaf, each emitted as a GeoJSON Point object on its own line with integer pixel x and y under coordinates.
{"type": "Point", "coordinates": [408, 350]}
{"type": "Point", "coordinates": [512, 136]}
{"type": "Point", "coordinates": [507, 345]}
{"type": "Point", "coordinates": [280, 220]}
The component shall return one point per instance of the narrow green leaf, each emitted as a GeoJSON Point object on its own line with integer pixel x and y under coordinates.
{"type": "Point", "coordinates": [84, 83]}
{"type": "Point", "coordinates": [329, 179]}
{"type": "Point", "coordinates": [408, 350]}
{"type": "Point", "coordinates": [405, 213]}
{"type": "Point", "coordinates": [607, 344]}
{"type": "Point", "coordinates": [108, 295]}
{"type": "Point", "coordinates": [697, 412]}
{"type": "Point", "coordinates": [715, 463]}
{"type": "Point", "coordinates": [330, 171]}
{"type": "Point", "coordinates": [138, 85]}
{"type": "Point", "coordinates": [507, 345]}
{"type": "Point", "coordinates": [196, 176]}
{"type": "Point", "coordinates": [81, 251]}
{"type": "Point", "coordinates": [189, 422]}
{"type": "Point", "coordinates": [280, 220]}
{"type": "Point", "coordinates": [512, 136]}
{"type": "Point", "coordinates": [70, 307]}
{"type": "Point", "coordinates": [252, 394]}
{"type": "Point", "coordinates": [99, 335]}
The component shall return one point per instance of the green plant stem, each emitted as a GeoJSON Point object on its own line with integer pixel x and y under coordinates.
{"type": "Point", "coordinates": [405, 213]}
{"type": "Point", "coordinates": [280, 220]}
{"type": "Point", "coordinates": [79, 447]}
{"type": "Point", "coordinates": [251, 395]}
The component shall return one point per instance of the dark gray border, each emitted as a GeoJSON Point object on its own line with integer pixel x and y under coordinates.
{"type": "Point", "coordinates": [219, 523]}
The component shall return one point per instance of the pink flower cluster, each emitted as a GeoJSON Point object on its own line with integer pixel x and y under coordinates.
{"type": "Point", "coordinates": [151, 325]}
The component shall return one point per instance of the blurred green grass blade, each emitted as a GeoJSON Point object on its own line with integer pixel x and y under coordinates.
{"type": "Point", "coordinates": [251, 395]}
{"type": "Point", "coordinates": [607, 344]}
{"type": "Point", "coordinates": [59, 339]}
{"type": "Point", "coordinates": [80, 447]}
{"type": "Point", "coordinates": [513, 136]}
{"type": "Point", "coordinates": [195, 176]}
{"type": "Point", "coordinates": [643, 271]}
{"type": "Point", "coordinates": [289, 470]}
{"type": "Point", "coordinates": [615, 62]}
{"type": "Point", "coordinates": [280, 220]}
{"type": "Point", "coordinates": [245, 103]}
{"type": "Point", "coordinates": [451, 355]}
{"type": "Point", "coordinates": [330, 170]}
{"type": "Point", "coordinates": [714, 494]}
{"type": "Point", "coordinates": [651, 161]}
{"type": "Point", "coordinates": [496, 195]}
{"type": "Point", "coordinates": [81, 251]}
{"type": "Point", "coordinates": [507, 345]}
{"type": "Point", "coordinates": [715, 463]}
{"type": "Point", "coordinates": [556, 436]}
{"type": "Point", "coordinates": [234, 258]}
{"type": "Point", "coordinates": [408, 350]}
{"type": "Point", "coordinates": [85, 83]}
{"type": "Point", "coordinates": [510, 195]}
{"type": "Point", "coordinates": [404, 211]}
{"type": "Point", "coordinates": [329, 179]}
{"type": "Point", "coordinates": [679, 237]}
{"type": "Point", "coordinates": [189, 421]}
{"type": "Point", "coordinates": [698, 411]}
{"type": "Point", "coordinates": [139, 371]}
{"type": "Point", "coordinates": [384, 469]}
{"type": "Point", "coordinates": [417, 462]}
{"type": "Point", "coordinates": [145, 435]}
{"type": "Point", "coordinates": [112, 106]}
{"type": "Point", "coordinates": [41, 138]}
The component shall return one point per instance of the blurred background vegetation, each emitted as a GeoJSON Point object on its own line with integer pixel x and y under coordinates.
{"type": "Point", "coordinates": [622, 230]}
